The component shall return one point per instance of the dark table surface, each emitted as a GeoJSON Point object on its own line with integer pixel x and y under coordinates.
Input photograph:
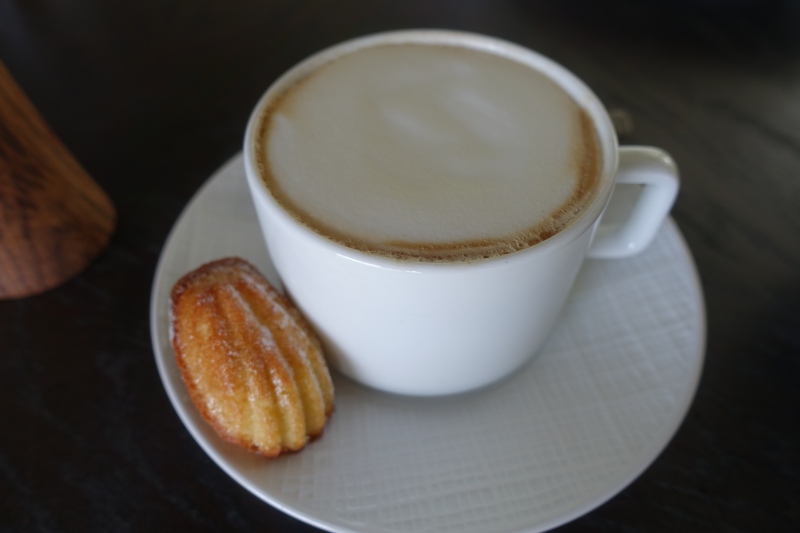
{"type": "Point", "coordinates": [152, 97]}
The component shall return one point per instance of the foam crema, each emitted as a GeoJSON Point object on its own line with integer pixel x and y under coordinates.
{"type": "Point", "coordinates": [429, 152]}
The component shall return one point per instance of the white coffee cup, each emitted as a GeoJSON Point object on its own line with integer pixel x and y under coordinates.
{"type": "Point", "coordinates": [420, 327]}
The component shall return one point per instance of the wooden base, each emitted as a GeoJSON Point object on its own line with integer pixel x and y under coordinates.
{"type": "Point", "coordinates": [54, 219]}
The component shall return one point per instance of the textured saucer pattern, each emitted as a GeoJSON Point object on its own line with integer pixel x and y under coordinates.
{"type": "Point", "coordinates": [549, 444]}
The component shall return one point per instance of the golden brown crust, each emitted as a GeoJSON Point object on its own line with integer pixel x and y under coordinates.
{"type": "Point", "coordinates": [251, 363]}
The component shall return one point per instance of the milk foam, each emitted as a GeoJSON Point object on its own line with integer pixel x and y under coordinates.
{"type": "Point", "coordinates": [429, 152]}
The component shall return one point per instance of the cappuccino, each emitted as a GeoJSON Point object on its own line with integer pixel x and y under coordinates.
{"type": "Point", "coordinates": [429, 152]}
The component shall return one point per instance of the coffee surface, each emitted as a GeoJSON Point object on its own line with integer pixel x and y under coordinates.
{"type": "Point", "coordinates": [429, 153]}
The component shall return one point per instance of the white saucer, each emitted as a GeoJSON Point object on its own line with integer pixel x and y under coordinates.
{"type": "Point", "coordinates": [549, 444]}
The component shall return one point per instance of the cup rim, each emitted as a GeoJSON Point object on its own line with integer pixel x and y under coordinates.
{"type": "Point", "coordinates": [568, 81]}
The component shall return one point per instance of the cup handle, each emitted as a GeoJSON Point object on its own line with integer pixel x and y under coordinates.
{"type": "Point", "coordinates": [646, 187]}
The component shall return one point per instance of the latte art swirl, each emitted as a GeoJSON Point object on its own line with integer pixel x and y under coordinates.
{"type": "Point", "coordinates": [429, 152]}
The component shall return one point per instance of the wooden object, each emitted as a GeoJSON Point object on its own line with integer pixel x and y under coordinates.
{"type": "Point", "coordinates": [54, 219]}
